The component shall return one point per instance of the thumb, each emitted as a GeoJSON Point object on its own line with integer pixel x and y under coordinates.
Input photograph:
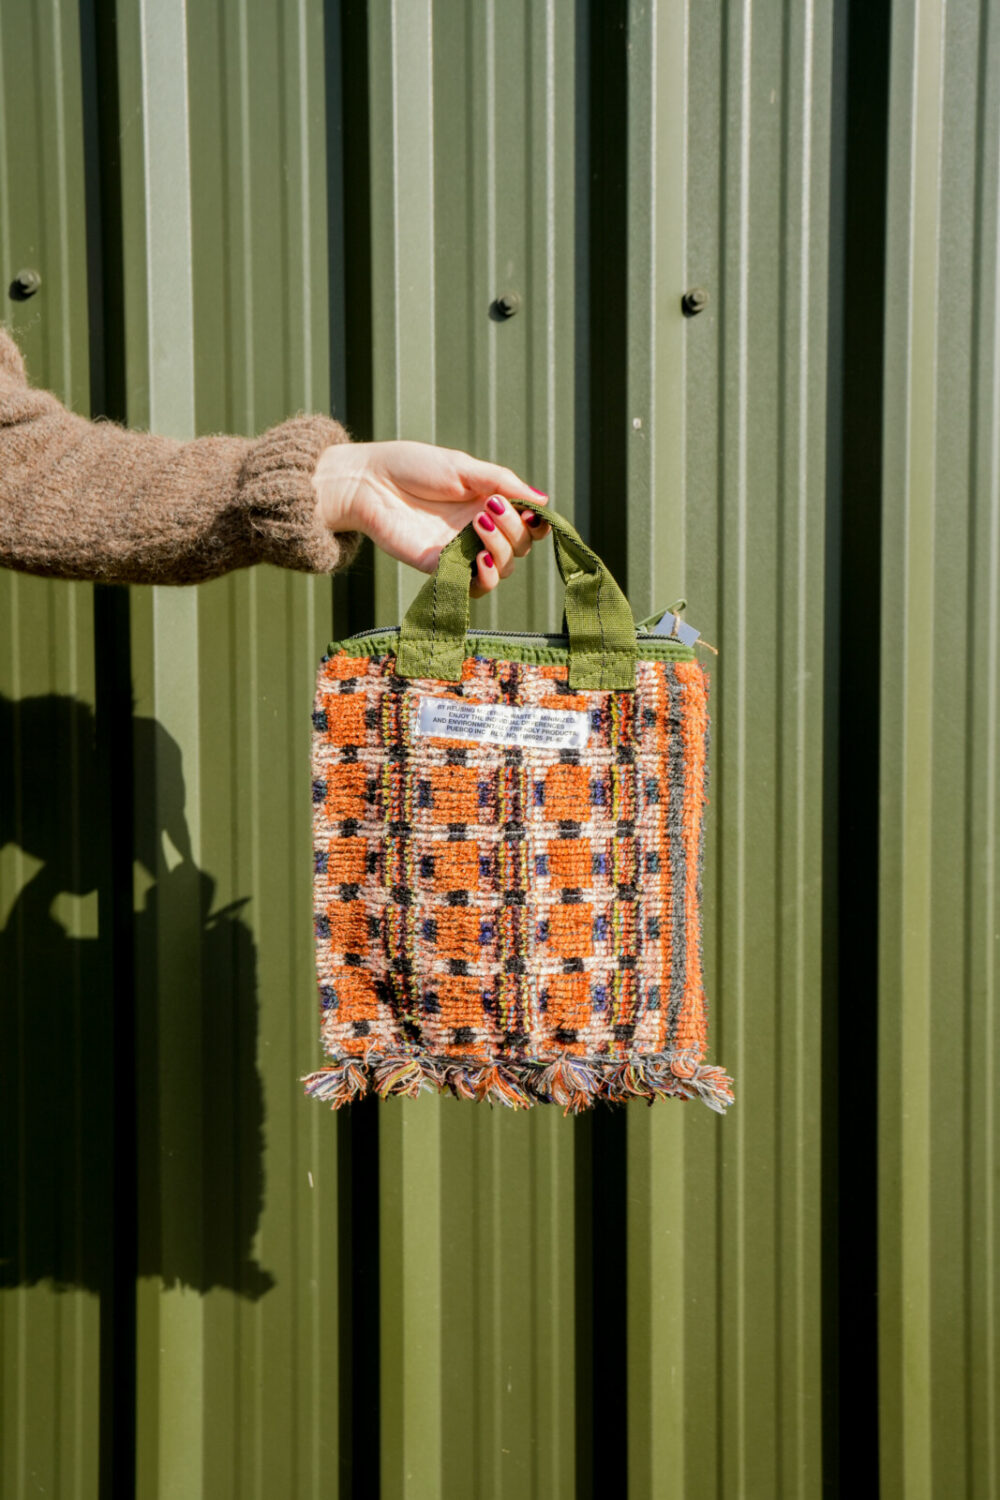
{"type": "Point", "coordinates": [490, 479]}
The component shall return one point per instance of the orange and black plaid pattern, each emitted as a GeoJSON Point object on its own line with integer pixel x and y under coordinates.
{"type": "Point", "coordinates": [511, 923]}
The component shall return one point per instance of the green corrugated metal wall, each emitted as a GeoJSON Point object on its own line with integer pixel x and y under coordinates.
{"type": "Point", "coordinates": [209, 1286]}
{"type": "Point", "coordinates": [938, 1208]}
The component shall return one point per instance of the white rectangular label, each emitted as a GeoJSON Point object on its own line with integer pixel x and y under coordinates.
{"type": "Point", "coordinates": [504, 723]}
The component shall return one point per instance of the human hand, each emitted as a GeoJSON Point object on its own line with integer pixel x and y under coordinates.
{"type": "Point", "coordinates": [411, 498]}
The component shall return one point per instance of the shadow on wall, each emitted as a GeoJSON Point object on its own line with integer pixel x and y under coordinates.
{"type": "Point", "coordinates": [199, 1099]}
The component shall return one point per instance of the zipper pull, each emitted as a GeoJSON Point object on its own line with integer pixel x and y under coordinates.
{"type": "Point", "coordinates": [670, 624]}
{"type": "Point", "coordinates": [645, 626]}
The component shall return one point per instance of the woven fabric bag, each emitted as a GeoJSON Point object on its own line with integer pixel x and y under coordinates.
{"type": "Point", "coordinates": [508, 835]}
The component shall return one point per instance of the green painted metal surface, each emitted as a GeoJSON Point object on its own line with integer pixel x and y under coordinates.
{"type": "Point", "coordinates": [209, 1286]}
{"type": "Point", "coordinates": [228, 293]}
{"type": "Point", "coordinates": [725, 435]}
{"type": "Point", "coordinates": [938, 836]}
{"type": "Point", "coordinates": [55, 1072]}
{"type": "Point", "coordinates": [56, 1125]}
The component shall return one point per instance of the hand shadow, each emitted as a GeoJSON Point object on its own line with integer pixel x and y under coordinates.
{"type": "Point", "coordinates": [197, 1149]}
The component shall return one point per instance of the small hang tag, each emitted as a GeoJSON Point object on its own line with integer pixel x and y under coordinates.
{"type": "Point", "coordinates": [673, 626]}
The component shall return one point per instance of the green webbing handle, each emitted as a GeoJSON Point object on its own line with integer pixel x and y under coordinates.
{"type": "Point", "coordinates": [599, 620]}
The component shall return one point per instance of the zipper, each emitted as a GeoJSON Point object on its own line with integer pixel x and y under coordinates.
{"type": "Point", "coordinates": [500, 635]}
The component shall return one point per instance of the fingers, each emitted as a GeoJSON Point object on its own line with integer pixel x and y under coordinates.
{"type": "Point", "coordinates": [506, 533]}
{"type": "Point", "coordinates": [495, 541]}
{"type": "Point", "coordinates": [532, 525]}
{"type": "Point", "coordinates": [485, 577]}
{"type": "Point", "coordinates": [520, 527]}
{"type": "Point", "coordinates": [536, 525]}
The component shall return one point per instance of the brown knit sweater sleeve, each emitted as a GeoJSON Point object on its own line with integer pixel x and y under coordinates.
{"type": "Point", "coordinates": [82, 499]}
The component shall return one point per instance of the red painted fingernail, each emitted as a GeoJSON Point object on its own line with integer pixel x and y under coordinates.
{"type": "Point", "coordinates": [534, 520]}
{"type": "Point", "coordinates": [485, 522]}
{"type": "Point", "coordinates": [487, 559]}
{"type": "Point", "coordinates": [495, 504]}
{"type": "Point", "coordinates": [538, 492]}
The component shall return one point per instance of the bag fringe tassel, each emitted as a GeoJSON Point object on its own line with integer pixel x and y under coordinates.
{"type": "Point", "coordinates": [575, 1083]}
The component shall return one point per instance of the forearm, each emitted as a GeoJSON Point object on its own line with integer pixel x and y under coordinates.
{"type": "Point", "coordinates": [82, 499]}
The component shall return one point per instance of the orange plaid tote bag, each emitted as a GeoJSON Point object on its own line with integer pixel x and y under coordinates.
{"type": "Point", "coordinates": [507, 852]}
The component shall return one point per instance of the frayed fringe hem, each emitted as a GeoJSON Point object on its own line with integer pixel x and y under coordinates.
{"type": "Point", "coordinates": [575, 1083]}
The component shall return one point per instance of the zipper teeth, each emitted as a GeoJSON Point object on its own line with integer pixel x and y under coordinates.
{"type": "Point", "coordinates": [503, 635]}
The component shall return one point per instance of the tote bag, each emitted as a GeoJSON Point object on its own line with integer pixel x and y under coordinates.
{"type": "Point", "coordinates": [508, 838]}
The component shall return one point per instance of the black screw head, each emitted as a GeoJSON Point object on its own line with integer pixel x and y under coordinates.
{"type": "Point", "coordinates": [507, 304]}
{"type": "Point", "coordinates": [25, 285]}
{"type": "Point", "coordinates": [694, 301]}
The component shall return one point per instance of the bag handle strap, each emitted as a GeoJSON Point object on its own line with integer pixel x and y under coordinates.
{"type": "Point", "coordinates": [599, 619]}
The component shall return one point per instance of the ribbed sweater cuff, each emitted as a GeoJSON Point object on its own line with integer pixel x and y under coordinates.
{"type": "Point", "coordinates": [277, 496]}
